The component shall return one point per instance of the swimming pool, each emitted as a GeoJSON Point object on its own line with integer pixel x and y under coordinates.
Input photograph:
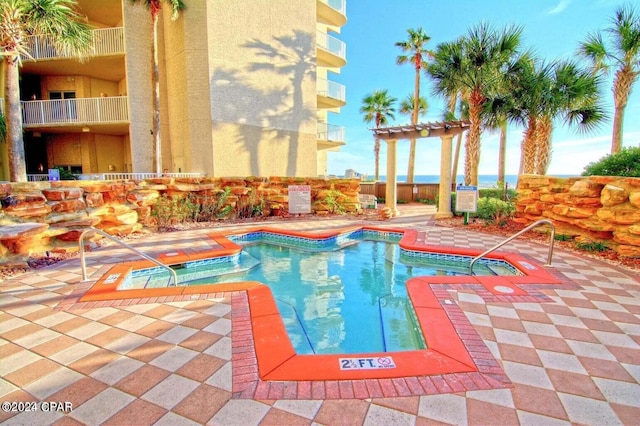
{"type": "Point", "coordinates": [341, 295]}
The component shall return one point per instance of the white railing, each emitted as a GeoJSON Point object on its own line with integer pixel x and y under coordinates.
{"type": "Point", "coordinates": [330, 132]}
{"type": "Point", "coordinates": [81, 110]}
{"type": "Point", "coordinates": [2, 106]}
{"type": "Point", "coordinates": [339, 5]}
{"type": "Point", "coordinates": [331, 44]}
{"type": "Point", "coordinates": [116, 176]}
{"type": "Point", "coordinates": [331, 89]}
{"type": "Point", "coordinates": [104, 41]}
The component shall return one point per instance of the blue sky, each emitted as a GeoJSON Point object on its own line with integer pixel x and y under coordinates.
{"type": "Point", "coordinates": [552, 28]}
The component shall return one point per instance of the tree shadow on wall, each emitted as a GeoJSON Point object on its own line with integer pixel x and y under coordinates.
{"type": "Point", "coordinates": [234, 101]}
{"type": "Point", "coordinates": [291, 56]}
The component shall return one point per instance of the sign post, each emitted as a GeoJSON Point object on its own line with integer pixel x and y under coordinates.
{"type": "Point", "coordinates": [466, 200]}
{"type": "Point", "coordinates": [299, 199]}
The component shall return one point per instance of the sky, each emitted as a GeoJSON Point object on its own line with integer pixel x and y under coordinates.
{"type": "Point", "coordinates": [553, 29]}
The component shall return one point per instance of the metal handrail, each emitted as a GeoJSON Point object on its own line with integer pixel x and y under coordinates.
{"type": "Point", "coordinates": [83, 262]}
{"type": "Point", "coordinates": [533, 225]}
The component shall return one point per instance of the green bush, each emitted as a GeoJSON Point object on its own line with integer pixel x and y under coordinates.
{"type": "Point", "coordinates": [490, 209]}
{"type": "Point", "coordinates": [624, 163]}
{"type": "Point", "coordinates": [494, 210]}
{"type": "Point", "coordinates": [169, 211]}
{"type": "Point", "coordinates": [591, 246]}
{"type": "Point", "coordinates": [210, 207]}
{"type": "Point", "coordinates": [250, 205]}
{"type": "Point", "coordinates": [66, 174]}
{"type": "Point", "coordinates": [499, 193]}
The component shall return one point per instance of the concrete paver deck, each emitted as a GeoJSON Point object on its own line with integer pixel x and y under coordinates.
{"type": "Point", "coordinates": [574, 358]}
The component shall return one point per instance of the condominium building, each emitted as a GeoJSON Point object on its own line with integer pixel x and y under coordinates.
{"type": "Point", "coordinates": [246, 90]}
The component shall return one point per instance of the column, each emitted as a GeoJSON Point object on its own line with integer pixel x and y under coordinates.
{"type": "Point", "coordinates": [391, 194]}
{"type": "Point", "coordinates": [444, 196]}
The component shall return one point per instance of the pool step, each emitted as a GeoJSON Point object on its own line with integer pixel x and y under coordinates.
{"type": "Point", "coordinates": [159, 278]}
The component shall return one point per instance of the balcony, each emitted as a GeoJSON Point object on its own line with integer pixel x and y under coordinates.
{"type": "Point", "coordinates": [331, 51]}
{"type": "Point", "coordinates": [104, 42]}
{"type": "Point", "coordinates": [330, 94]}
{"type": "Point", "coordinates": [332, 12]}
{"type": "Point", "coordinates": [75, 112]}
{"type": "Point", "coordinates": [330, 136]}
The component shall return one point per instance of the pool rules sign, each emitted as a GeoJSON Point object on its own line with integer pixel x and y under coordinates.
{"type": "Point", "coordinates": [467, 199]}
{"type": "Point", "coordinates": [299, 199]}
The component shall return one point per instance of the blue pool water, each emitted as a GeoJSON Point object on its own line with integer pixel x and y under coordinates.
{"type": "Point", "coordinates": [335, 297]}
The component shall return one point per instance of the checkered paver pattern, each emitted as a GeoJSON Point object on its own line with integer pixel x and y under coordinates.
{"type": "Point", "coordinates": [570, 354]}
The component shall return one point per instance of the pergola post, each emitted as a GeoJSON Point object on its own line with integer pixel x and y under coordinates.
{"type": "Point", "coordinates": [444, 196]}
{"type": "Point", "coordinates": [391, 193]}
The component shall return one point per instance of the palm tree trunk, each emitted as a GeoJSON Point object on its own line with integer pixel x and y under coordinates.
{"type": "Point", "coordinates": [456, 157]}
{"type": "Point", "coordinates": [414, 120]}
{"type": "Point", "coordinates": [502, 153]}
{"type": "Point", "coordinates": [376, 150]}
{"type": "Point", "coordinates": [528, 147]}
{"type": "Point", "coordinates": [17, 166]}
{"type": "Point", "coordinates": [472, 146]}
{"type": "Point", "coordinates": [543, 144]}
{"type": "Point", "coordinates": [621, 90]}
{"type": "Point", "coordinates": [412, 161]}
{"type": "Point", "coordinates": [156, 98]}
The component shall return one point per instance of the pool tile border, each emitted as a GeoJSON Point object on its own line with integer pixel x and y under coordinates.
{"type": "Point", "coordinates": [253, 337]}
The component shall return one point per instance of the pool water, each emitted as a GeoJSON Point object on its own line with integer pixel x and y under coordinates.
{"type": "Point", "coordinates": [345, 298]}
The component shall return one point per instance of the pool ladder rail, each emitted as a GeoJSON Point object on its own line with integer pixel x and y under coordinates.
{"type": "Point", "coordinates": [516, 235]}
{"type": "Point", "coordinates": [92, 230]}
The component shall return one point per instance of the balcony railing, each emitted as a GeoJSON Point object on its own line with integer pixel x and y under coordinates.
{"type": "Point", "coordinates": [81, 111]}
{"type": "Point", "coordinates": [104, 41]}
{"type": "Point", "coordinates": [42, 177]}
{"type": "Point", "coordinates": [330, 132]}
{"type": "Point", "coordinates": [331, 44]}
{"type": "Point", "coordinates": [339, 5]}
{"type": "Point", "coordinates": [331, 89]}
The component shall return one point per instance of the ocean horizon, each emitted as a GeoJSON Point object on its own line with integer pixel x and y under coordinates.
{"type": "Point", "coordinates": [484, 181]}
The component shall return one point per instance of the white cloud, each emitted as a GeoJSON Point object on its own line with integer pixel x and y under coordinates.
{"type": "Point", "coordinates": [561, 6]}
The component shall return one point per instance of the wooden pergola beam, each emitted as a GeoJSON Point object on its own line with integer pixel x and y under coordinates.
{"type": "Point", "coordinates": [422, 130]}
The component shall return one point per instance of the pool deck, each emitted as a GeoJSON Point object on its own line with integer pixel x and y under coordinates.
{"type": "Point", "coordinates": [549, 354]}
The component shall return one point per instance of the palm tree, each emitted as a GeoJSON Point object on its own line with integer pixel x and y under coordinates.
{"type": "Point", "coordinates": [501, 107]}
{"type": "Point", "coordinates": [414, 51]}
{"type": "Point", "coordinates": [155, 6]}
{"type": "Point", "coordinates": [378, 108]}
{"type": "Point", "coordinates": [547, 91]}
{"type": "Point", "coordinates": [62, 25]}
{"type": "Point", "coordinates": [622, 52]}
{"type": "Point", "coordinates": [573, 97]}
{"type": "Point", "coordinates": [407, 107]}
{"type": "Point", "coordinates": [473, 66]}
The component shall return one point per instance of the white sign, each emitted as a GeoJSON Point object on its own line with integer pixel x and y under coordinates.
{"type": "Point", "coordinates": [373, 363]}
{"type": "Point", "coordinates": [299, 199]}
{"type": "Point", "coordinates": [466, 198]}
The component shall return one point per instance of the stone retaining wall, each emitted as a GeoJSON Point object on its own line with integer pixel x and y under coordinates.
{"type": "Point", "coordinates": [50, 216]}
{"type": "Point", "coordinates": [590, 208]}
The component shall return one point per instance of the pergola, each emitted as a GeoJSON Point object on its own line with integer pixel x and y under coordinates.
{"type": "Point", "coordinates": [446, 130]}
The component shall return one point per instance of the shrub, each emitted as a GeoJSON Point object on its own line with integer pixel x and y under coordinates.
{"type": "Point", "coordinates": [494, 210]}
{"type": "Point", "coordinates": [499, 193]}
{"type": "Point", "coordinates": [210, 207]}
{"type": "Point", "coordinates": [591, 246]}
{"type": "Point", "coordinates": [66, 174]}
{"type": "Point", "coordinates": [169, 211]}
{"type": "Point", "coordinates": [250, 205]}
{"type": "Point", "coordinates": [624, 163]}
